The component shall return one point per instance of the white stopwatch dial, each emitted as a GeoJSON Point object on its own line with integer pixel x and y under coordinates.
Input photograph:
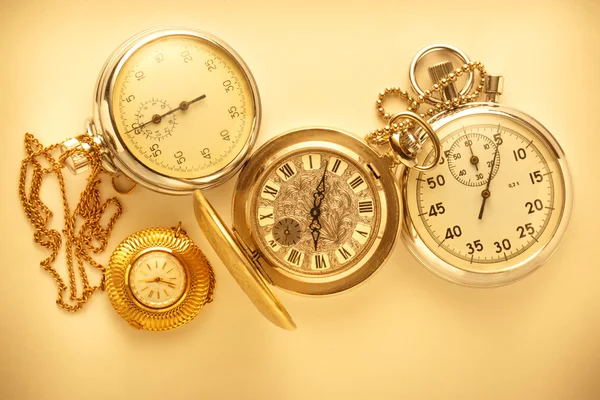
{"type": "Point", "coordinates": [496, 205]}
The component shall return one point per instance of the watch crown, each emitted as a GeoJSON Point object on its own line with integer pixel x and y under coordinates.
{"type": "Point", "coordinates": [440, 71]}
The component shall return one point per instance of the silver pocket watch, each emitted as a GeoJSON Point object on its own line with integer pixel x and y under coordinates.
{"type": "Point", "coordinates": [175, 110]}
{"type": "Point", "coordinates": [498, 203]}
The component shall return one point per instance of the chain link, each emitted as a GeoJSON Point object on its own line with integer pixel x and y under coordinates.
{"type": "Point", "coordinates": [91, 237]}
{"type": "Point", "coordinates": [381, 136]}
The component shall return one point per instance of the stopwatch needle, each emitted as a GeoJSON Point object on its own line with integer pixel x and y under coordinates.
{"type": "Point", "coordinates": [474, 159]}
{"type": "Point", "coordinates": [486, 192]}
{"type": "Point", "coordinates": [184, 105]}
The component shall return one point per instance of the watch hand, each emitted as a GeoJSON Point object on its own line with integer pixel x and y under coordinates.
{"type": "Point", "coordinates": [160, 280]}
{"type": "Point", "coordinates": [474, 159]}
{"type": "Point", "coordinates": [184, 105]}
{"type": "Point", "coordinates": [315, 212]}
{"type": "Point", "coordinates": [486, 192]}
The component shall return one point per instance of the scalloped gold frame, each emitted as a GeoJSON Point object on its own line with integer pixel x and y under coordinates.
{"type": "Point", "coordinates": [199, 274]}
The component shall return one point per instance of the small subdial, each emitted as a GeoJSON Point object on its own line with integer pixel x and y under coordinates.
{"type": "Point", "coordinates": [287, 231]}
{"type": "Point", "coordinates": [153, 121]}
{"type": "Point", "coordinates": [470, 158]}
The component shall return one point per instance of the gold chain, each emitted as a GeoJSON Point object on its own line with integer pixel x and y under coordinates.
{"type": "Point", "coordinates": [91, 236]}
{"type": "Point", "coordinates": [381, 136]}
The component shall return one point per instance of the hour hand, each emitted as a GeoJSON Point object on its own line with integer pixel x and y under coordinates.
{"type": "Point", "coordinates": [315, 228]}
{"type": "Point", "coordinates": [315, 211]}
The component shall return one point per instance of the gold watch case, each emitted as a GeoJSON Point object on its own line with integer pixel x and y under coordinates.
{"type": "Point", "coordinates": [252, 263]}
{"type": "Point", "coordinates": [199, 281]}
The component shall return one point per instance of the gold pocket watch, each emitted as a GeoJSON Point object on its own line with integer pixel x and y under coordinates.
{"type": "Point", "coordinates": [316, 211]}
{"type": "Point", "coordinates": [175, 110]}
{"type": "Point", "coordinates": [158, 279]}
{"type": "Point", "coordinates": [498, 203]}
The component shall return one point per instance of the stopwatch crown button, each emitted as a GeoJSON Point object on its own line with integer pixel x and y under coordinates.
{"type": "Point", "coordinates": [493, 87]}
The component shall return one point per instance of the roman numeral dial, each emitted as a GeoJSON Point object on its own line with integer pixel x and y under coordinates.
{"type": "Point", "coordinates": [315, 212]}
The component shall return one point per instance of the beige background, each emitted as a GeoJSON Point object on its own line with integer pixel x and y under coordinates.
{"type": "Point", "coordinates": [405, 333]}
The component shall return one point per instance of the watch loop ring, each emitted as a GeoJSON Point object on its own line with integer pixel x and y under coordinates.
{"type": "Point", "coordinates": [433, 48]}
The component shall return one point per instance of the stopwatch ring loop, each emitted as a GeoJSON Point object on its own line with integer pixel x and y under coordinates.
{"type": "Point", "coordinates": [430, 49]}
{"type": "Point", "coordinates": [409, 159]}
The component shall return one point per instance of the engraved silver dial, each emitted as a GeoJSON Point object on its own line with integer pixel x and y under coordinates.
{"type": "Point", "coordinates": [316, 212]}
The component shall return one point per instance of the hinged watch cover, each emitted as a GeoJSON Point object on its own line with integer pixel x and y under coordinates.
{"type": "Point", "coordinates": [239, 264]}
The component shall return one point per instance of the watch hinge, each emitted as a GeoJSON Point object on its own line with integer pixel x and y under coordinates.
{"type": "Point", "coordinates": [253, 255]}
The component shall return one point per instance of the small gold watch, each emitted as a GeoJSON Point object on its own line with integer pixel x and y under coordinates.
{"type": "Point", "coordinates": [158, 279]}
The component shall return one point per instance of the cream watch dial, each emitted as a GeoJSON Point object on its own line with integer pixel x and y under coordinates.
{"type": "Point", "coordinates": [495, 199]}
{"type": "Point", "coordinates": [183, 106]}
{"type": "Point", "coordinates": [315, 213]}
{"type": "Point", "coordinates": [157, 279]}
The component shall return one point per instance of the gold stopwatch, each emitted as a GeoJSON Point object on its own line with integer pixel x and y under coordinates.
{"type": "Point", "coordinates": [175, 110]}
{"type": "Point", "coordinates": [499, 200]}
{"type": "Point", "coordinates": [316, 211]}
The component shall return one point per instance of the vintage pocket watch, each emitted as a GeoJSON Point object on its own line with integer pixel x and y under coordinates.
{"type": "Point", "coordinates": [316, 211]}
{"type": "Point", "coordinates": [175, 110]}
{"type": "Point", "coordinates": [498, 203]}
{"type": "Point", "coordinates": [158, 279]}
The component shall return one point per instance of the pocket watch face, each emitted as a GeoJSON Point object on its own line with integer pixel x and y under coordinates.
{"type": "Point", "coordinates": [157, 279]}
{"type": "Point", "coordinates": [319, 209]}
{"type": "Point", "coordinates": [496, 199]}
{"type": "Point", "coordinates": [183, 105]}
{"type": "Point", "coordinates": [316, 212]}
